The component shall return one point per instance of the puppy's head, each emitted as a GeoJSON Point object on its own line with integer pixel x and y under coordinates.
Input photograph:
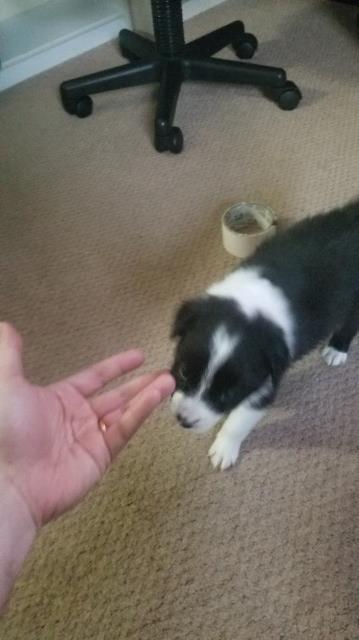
{"type": "Point", "coordinates": [219, 361]}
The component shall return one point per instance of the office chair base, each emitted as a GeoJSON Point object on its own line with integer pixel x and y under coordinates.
{"type": "Point", "coordinates": [170, 62]}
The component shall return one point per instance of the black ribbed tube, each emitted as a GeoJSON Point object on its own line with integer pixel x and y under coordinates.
{"type": "Point", "coordinates": [168, 26]}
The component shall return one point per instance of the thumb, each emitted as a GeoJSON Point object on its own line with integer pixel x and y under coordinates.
{"type": "Point", "coordinates": [10, 351]}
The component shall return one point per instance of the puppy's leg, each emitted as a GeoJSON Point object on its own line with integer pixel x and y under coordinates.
{"type": "Point", "coordinates": [225, 449]}
{"type": "Point", "coordinates": [336, 353]}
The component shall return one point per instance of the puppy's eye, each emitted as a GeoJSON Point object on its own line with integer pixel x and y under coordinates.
{"type": "Point", "coordinates": [225, 395]}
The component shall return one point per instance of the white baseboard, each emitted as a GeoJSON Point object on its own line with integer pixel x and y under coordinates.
{"type": "Point", "coordinates": [52, 33]}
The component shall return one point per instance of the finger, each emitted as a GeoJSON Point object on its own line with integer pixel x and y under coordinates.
{"type": "Point", "coordinates": [116, 399]}
{"type": "Point", "coordinates": [10, 350]}
{"type": "Point", "coordinates": [141, 408]}
{"type": "Point", "coordinates": [93, 378]}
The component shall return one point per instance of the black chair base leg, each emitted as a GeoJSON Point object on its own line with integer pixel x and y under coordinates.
{"type": "Point", "coordinates": [75, 93]}
{"type": "Point", "coordinates": [244, 44]}
{"type": "Point", "coordinates": [211, 43]}
{"type": "Point", "coordinates": [170, 61]}
{"type": "Point", "coordinates": [167, 137]}
{"type": "Point", "coordinates": [286, 94]}
{"type": "Point", "coordinates": [217, 70]}
{"type": "Point", "coordinates": [134, 47]}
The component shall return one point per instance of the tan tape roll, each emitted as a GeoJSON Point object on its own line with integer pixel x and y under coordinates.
{"type": "Point", "coordinates": [245, 225]}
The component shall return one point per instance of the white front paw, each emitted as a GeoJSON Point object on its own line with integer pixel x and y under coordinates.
{"type": "Point", "coordinates": [333, 357]}
{"type": "Point", "coordinates": [224, 451]}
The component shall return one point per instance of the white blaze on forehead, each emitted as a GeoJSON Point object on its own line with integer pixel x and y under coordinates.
{"type": "Point", "coordinates": [257, 295]}
{"type": "Point", "coordinates": [222, 346]}
{"type": "Point", "coordinates": [193, 408]}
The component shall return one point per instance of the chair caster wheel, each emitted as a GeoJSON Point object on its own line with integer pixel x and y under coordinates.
{"type": "Point", "coordinates": [288, 96]}
{"type": "Point", "coordinates": [246, 46]}
{"type": "Point", "coordinates": [176, 140]}
{"type": "Point", "coordinates": [126, 53]}
{"type": "Point", "coordinates": [82, 107]}
{"type": "Point", "coordinates": [173, 141]}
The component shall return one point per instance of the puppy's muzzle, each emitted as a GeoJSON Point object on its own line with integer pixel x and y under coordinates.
{"type": "Point", "coordinates": [186, 424]}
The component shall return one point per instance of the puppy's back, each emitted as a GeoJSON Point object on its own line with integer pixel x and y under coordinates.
{"type": "Point", "coordinates": [316, 265]}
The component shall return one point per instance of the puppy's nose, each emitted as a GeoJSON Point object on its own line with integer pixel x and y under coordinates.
{"type": "Point", "coordinates": [183, 422]}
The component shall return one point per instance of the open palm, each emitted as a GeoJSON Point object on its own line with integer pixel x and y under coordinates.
{"type": "Point", "coordinates": [51, 447]}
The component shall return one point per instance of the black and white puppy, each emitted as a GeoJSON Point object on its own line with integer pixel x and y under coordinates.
{"type": "Point", "coordinates": [236, 341]}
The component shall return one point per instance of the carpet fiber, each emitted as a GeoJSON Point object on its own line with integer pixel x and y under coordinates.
{"type": "Point", "coordinates": [100, 239]}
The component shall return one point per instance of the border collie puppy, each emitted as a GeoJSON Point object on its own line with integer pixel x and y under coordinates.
{"type": "Point", "coordinates": [235, 341]}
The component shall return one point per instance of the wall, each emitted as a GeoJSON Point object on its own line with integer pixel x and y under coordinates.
{"type": "Point", "coordinates": [10, 8]}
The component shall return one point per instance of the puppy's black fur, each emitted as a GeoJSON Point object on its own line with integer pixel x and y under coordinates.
{"type": "Point", "coordinates": [316, 265]}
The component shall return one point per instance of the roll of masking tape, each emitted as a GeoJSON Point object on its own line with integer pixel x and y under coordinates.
{"type": "Point", "coordinates": [245, 226]}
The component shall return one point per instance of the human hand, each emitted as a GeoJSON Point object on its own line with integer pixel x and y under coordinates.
{"type": "Point", "coordinates": [52, 450]}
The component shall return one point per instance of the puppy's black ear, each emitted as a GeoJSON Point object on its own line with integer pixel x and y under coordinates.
{"type": "Point", "coordinates": [186, 317]}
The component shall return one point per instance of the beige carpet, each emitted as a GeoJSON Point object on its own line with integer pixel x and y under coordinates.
{"type": "Point", "coordinates": [100, 238]}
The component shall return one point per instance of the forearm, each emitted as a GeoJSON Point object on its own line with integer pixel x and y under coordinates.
{"type": "Point", "coordinates": [17, 534]}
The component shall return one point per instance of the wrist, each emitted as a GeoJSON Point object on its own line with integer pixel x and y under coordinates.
{"type": "Point", "coordinates": [17, 534]}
